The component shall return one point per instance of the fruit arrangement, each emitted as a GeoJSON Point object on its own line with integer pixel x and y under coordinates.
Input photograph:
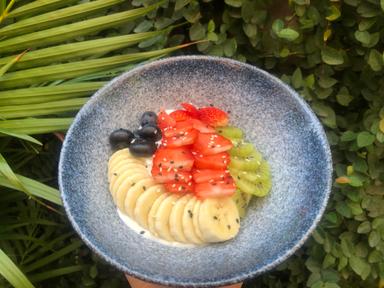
{"type": "Point", "coordinates": [186, 176]}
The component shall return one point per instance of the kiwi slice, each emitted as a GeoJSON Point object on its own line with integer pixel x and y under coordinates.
{"type": "Point", "coordinates": [249, 163]}
{"type": "Point", "coordinates": [230, 132]}
{"type": "Point", "coordinates": [242, 150]}
{"type": "Point", "coordinates": [242, 200]}
{"type": "Point", "coordinates": [259, 189]}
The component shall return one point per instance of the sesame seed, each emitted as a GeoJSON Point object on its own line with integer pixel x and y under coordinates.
{"type": "Point", "coordinates": [173, 185]}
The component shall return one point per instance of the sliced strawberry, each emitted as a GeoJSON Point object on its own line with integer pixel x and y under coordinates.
{"type": "Point", "coordinates": [216, 162]}
{"type": "Point", "coordinates": [192, 110]}
{"type": "Point", "coordinates": [177, 187]}
{"type": "Point", "coordinates": [182, 139]}
{"type": "Point", "coordinates": [164, 120]}
{"type": "Point", "coordinates": [180, 115]}
{"type": "Point", "coordinates": [202, 127]}
{"type": "Point", "coordinates": [213, 116]}
{"type": "Point", "coordinates": [215, 189]}
{"type": "Point", "coordinates": [177, 158]}
{"type": "Point", "coordinates": [179, 128]}
{"type": "Point", "coordinates": [207, 175]}
{"type": "Point", "coordinates": [211, 143]}
{"type": "Point", "coordinates": [164, 175]}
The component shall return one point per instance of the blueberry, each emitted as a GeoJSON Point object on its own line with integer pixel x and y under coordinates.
{"type": "Point", "coordinates": [142, 147]}
{"type": "Point", "coordinates": [120, 138]}
{"type": "Point", "coordinates": [149, 132]}
{"type": "Point", "coordinates": [148, 117]}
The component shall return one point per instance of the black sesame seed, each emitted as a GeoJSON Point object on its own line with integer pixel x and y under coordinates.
{"type": "Point", "coordinates": [215, 217]}
{"type": "Point", "coordinates": [172, 161]}
{"type": "Point", "coordinates": [115, 174]}
{"type": "Point", "coordinates": [142, 232]}
{"type": "Point", "coordinates": [229, 111]}
{"type": "Point", "coordinates": [133, 184]}
{"type": "Point", "coordinates": [229, 227]}
{"type": "Point", "coordinates": [237, 220]}
{"type": "Point", "coordinates": [211, 105]}
{"type": "Point", "coordinates": [181, 167]}
{"type": "Point", "coordinates": [190, 213]}
{"type": "Point", "coordinates": [144, 188]}
{"type": "Point", "coordinates": [159, 165]}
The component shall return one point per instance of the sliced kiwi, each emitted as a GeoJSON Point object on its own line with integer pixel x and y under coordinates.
{"type": "Point", "coordinates": [242, 200]}
{"type": "Point", "coordinates": [242, 150]}
{"type": "Point", "coordinates": [259, 189]}
{"type": "Point", "coordinates": [230, 132]}
{"type": "Point", "coordinates": [247, 164]}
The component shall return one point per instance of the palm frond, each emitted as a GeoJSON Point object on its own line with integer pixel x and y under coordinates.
{"type": "Point", "coordinates": [70, 31]}
{"type": "Point", "coordinates": [57, 17]}
{"type": "Point", "coordinates": [12, 273]}
{"type": "Point", "coordinates": [32, 126]}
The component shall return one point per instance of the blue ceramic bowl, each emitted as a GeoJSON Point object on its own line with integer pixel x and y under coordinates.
{"type": "Point", "coordinates": [274, 118]}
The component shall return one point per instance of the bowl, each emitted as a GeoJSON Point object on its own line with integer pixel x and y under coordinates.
{"type": "Point", "coordinates": [275, 119]}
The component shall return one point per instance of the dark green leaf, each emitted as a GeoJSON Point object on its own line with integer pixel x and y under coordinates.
{"type": "Point", "coordinates": [331, 56]}
{"type": "Point", "coordinates": [375, 60]}
{"type": "Point", "coordinates": [344, 97]}
{"type": "Point", "coordinates": [374, 238]}
{"type": "Point", "coordinates": [297, 78]}
{"type": "Point", "coordinates": [365, 139]}
{"type": "Point", "coordinates": [360, 266]}
{"type": "Point", "coordinates": [348, 136]}
{"type": "Point", "coordinates": [197, 32]}
{"type": "Point", "coordinates": [288, 34]}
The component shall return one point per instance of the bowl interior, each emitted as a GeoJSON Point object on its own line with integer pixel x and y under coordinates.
{"type": "Point", "coordinates": [273, 117]}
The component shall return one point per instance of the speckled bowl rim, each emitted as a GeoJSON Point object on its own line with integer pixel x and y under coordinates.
{"type": "Point", "coordinates": [158, 278]}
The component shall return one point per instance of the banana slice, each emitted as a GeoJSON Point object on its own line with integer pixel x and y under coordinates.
{"type": "Point", "coordinates": [153, 211]}
{"type": "Point", "coordinates": [162, 217]}
{"type": "Point", "coordinates": [176, 217]}
{"type": "Point", "coordinates": [134, 192]}
{"type": "Point", "coordinates": [144, 204]}
{"type": "Point", "coordinates": [187, 221]}
{"type": "Point", "coordinates": [218, 219]}
{"type": "Point", "coordinates": [123, 173]}
{"type": "Point", "coordinates": [195, 220]}
{"type": "Point", "coordinates": [121, 191]}
{"type": "Point", "coordinates": [123, 154]}
{"type": "Point", "coordinates": [113, 169]}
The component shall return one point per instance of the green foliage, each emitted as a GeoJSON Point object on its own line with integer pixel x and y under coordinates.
{"type": "Point", "coordinates": [331, 52]}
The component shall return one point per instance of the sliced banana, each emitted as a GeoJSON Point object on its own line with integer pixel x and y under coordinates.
{"type": "Point", "coordinates": [218, 219]}
{"type": "Point", "coordinates": [162, 217]}
{"type": "Point", "coordinates": [187, 220]}
{"type": "Point", "coordinates": [121, 192]}
{"type": "Point", "coordinates": [176, 217]}
{"type": "Point", "coordinates": [152, 213]}
{"type": "Point", "coordinates": [122, 174]}
{"type": "Point", "coordinates": [144, 204]}
{"type": "Point", "coordinates": [123, 154]}
{"type": "Point", "coordinates": [195, 220]}
{"type": "Point", "coordinates": [116, 169]}
{"type": "Point", "coordinates": [134, 192]}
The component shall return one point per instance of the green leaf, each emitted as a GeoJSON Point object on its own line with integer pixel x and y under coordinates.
{"type": "Point", "coordinates": [250, 29]}
{"type": "Point", "coordinates": [70, 31]}
{"type": "Point", "coordinates": [360, 266]}
{"type": "Point", "coordinates": [12, 273]}
{"type": "Point", "coordinates": [364, 227]}
{"type": "Point", "coordinates": [7, 172]}
{"type": "Point", "coordinates": [365, 139]}
{"type": "Point", "coordinates": [181, 3]}
{"type": "Point", "coordinates": [197, 32]}
{"type": "Point", "coordinates": [34, 187]}
{"type": "Point", "coordinates": [288, 34]}
{"type": "Point", "coordinates": [20, 136]}
{"type": "Point", "coordinates": [363, 36]}
{"type": "Point", "coordinates": [326, 113]}
{"type": "Point", "coordinates": [234, 3]}
{"type": "Point", "coordinates": [374, 238]}
{"type": "Point", "coordinates": [333, 13]}
{"type": "Point", "coordinates": [331, 56]}
{"type": "Point", "coordinates": [38, 277]}
{"type": "Point", "coordinates": [348, 136]}
{"type": "Point", "coordinates": [382, 5]}
{"type": "Point", "coordinates": [375, 256]}
{"type": "Point", "coordinates": [375, 60]}
{"type": "Point", "coordinates": [277, 26]}
{"type": "Point", "coordinates": [144, 26]}
{"type": "Point", "coordinates": [36, 126]}
{"type": "Point", "coordinates": [328, 261]}
{"type": "Point", "coordinates": [56, 17]}
{"type": "Point", "coordinates": [297, 78]}
{"type": "Point", "coordinates": [326, 81]}
{"type": "Point", "coordinates": [38, 7]}
{"type": "Point", "coordinates": [230, 47]}
{"type": "Point", "coordinates": [343, 97]}
{"type": "Point", "coordinates": [10, 63]}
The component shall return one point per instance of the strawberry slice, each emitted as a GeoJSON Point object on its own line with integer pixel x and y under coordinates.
{"type": "Point", "coordinates": [163, 175]}
{"type": "Point", "coordinates": [207, 175]}
{"type": "Point", "coordinates": [215, 189]}
{"type": "Point", "coordinates": [213, 116]}
{"type": "Point", "coordinates": [211, 143]}
{"type": "Point", "coordinates": [192, 110]}
{"type": "Point", "coordinates": [177, 187]}
{"type": "Point", "coordinates": [164, 120]}
{"type": "Point", "coordinates": [179, 128]}
{"type": "Point", "coordinates": [180, 115]}
{"type": "Point", "coordinates": [202, 127]}
{"type": "Point", "coordinates": [175, 158]}
{"type": "Point", "coordinates": [181, 139]}
{"type": "Point", "coordinates": [216, 162]}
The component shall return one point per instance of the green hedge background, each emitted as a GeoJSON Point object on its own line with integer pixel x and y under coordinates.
{"type": "Point", "coordinates": [331, 52]}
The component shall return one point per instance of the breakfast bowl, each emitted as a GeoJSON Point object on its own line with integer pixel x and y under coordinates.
{"type": "Point", "coordinates": [274, 118]}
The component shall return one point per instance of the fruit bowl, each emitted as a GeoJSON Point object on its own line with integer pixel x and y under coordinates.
{"type": "Point", "coordinates": [275, 119]}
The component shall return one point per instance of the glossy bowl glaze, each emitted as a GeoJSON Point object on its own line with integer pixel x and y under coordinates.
{"type": "Point", "coordinates": [274, 118]}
